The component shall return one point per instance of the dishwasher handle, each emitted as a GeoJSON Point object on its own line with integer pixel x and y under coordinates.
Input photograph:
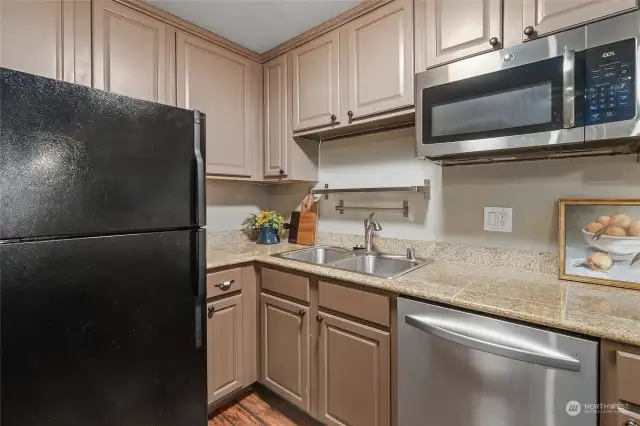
{"type": "Point", "coordinates": [514, 351]}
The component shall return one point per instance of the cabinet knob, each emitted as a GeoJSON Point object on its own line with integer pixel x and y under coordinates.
{"type": "Point", "coordinates": [301, 312]}
{"type": "Point", "coordinates": [319, 318]}
{"type": "Point", "coordinates": [350, 114]}
{"type": "Point", "coordinates": [528, 31]}
{"type": "Point", "coordinates": [333, 117]}
{"type": "Point", "coordinates": [493, 41]}
{"type": "Point", "coordinates": [281, 172]}
{"type": "Point", "coordinates": [630, 423]}
{"type": "Point", "coordinates": [210, 309]}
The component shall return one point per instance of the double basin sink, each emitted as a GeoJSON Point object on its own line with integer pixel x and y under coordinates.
{"type": "Point", "coordinates": [374, 264]}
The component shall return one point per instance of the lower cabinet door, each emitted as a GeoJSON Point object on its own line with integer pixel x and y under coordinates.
{"type": "Point", "coordinates": [354, 373]}
{"type": "Point", "coordinates": [224, 347]}
{"type": "Point", "coordinates": [285, 349]}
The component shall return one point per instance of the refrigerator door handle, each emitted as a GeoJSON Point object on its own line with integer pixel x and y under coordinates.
{"type": "Point", "coordinates": [468, 335]}
{"type": "Point", "coordinates": [200, 299]}
{"type": "Point", "coordinates": [199, 153]}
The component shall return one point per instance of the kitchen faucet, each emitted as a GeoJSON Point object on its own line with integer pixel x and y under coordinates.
{"type": "Point", "coordinates": [370, 225]}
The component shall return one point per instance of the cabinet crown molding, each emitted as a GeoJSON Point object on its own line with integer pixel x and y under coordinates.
{"type": "Point", "coordinates": [365, 6]}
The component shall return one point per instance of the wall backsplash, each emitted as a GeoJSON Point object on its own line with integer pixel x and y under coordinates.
{"type": "Point", "coordinates": [228, 203]}
{"type": "Point", "coordinates": [455, 212]}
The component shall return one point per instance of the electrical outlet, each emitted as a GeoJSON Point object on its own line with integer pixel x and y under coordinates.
{"type": "Point", "coordinates": [498, 219]}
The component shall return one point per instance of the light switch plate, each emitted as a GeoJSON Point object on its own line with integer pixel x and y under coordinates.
{"type": "Point", "coordinates": [498, 219]}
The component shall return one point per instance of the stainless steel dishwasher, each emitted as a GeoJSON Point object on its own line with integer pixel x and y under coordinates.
{"type": "Point", "coordinates": [461, 369]}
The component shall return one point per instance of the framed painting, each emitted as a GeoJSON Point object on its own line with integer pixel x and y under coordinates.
{"type": "Point", "coordinates": [600, 242]}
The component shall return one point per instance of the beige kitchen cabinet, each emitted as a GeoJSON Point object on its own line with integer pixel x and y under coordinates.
{"type": "Point", "coordinates": [285, 157]}
{"type": "Point", "coordinates": [380, 60]}
{"type": "Point", "coordinates": [542, 17]}
{"type": "Point", "coordinates": [285, 349]}
{"type": "Point", "coordinates": [354, 373]}
{"type": "Point", "coordinates": [224, 347]}
{"type": "Point", "coordinates": [227, 87]}
{"type": "Point", "coordinates": [316, 82]}
{"type": "Point", "coordinates": [448, 30]}
{"type": "Point", "coordinates": [47, 38]}
{"type": "Point", "coordinates": [276, 121]}
{"type": "Point", "coordinates": [130, 54]}
{"type": "Point", "coordinates": [619, 379]}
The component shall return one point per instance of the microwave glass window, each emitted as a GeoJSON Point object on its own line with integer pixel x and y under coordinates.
{"type": "Point", "coordinates": [520, 107]}
{"type": "Point", "coordinates": [521, 100]}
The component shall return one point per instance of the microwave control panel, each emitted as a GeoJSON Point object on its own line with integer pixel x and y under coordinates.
{"type": "Point", "coordinates": [610, 86]}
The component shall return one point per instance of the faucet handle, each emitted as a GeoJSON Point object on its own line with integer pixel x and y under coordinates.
{"type": "Point", "coordinates": [411, 254]}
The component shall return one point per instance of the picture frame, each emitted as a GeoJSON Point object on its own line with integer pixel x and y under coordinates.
{"type": "Point", "coordinates": [599, 241]}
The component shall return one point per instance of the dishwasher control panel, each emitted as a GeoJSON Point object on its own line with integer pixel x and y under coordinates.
{"type": "Point", "coordinates": [610, 85]}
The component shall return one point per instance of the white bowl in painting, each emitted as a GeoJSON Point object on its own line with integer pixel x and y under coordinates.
{"type": "Point", "coordinates": [620, 248]}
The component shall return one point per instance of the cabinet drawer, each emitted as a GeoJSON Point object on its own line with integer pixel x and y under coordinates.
{"type": "Point", "coordinates": [224, 282]}
{"type": "Point", "coordinates": [357, 303]}
{"type": "Point", "coordinates": [628, 376]}
{"type": "Point", "coordinates": [284, 283]}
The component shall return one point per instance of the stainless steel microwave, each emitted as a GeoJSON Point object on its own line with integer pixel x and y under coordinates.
{"type": "Point", "coordinates": [572, 91]}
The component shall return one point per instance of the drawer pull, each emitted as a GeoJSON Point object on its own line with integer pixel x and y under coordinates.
{"type": "Point", "coordinates": [319, 318]}
{"type": "Point", "coordinates": [630, 423]}
{"type": "Point", "coordinates": [301, 312]}
{"type": "Point", "coordinates": [211, 309]}
{"type": "Point", "coordinates": [225, 284]}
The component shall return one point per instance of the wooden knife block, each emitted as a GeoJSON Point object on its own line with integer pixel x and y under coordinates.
{"type": "Point", "coordinates": [307, 228]}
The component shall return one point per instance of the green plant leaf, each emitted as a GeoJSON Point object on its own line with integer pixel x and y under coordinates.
{"type": "Point", "coordinates": [635, 259]}
{"type": "Point", "coordinates": [599, 233]}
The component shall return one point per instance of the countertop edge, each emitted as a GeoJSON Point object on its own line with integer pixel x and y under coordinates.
{"type": "Point", "coordinates": [395, 286]}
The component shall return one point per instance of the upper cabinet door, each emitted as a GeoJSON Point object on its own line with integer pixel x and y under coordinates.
{"type": "Point", "coordinates": [217, 82]}
{"type": "Point", "coordinates": [276, 135]}
{"type": "Point", "coordinates": [31, 38]}
{"type": "Point", "coordinates": [454, 29]}
{"type": "Point", "coordinates": [381, 60]}
{"type": "Point", "coordinates": [316, 82]}
{"type": "Point", "coordinates": [129, 52]}
{"type": "Point", "coordinates": [547, 16]}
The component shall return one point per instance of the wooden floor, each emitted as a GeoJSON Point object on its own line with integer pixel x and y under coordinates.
{"type": "Point", "coordinates": [260, 407]}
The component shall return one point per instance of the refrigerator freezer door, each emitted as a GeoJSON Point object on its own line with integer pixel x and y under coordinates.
{"type": "Point", "coordinates": [80, 161]}
{"type": "Point", "coordinates": [103, 331]}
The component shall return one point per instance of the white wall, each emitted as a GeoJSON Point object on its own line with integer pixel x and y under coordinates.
{"type": "Point", "coordinates": [228, 203]}
{"type": "Point", "coordinates": [382, 159]}
{"type": "Point", "coordinates": [454, 213]}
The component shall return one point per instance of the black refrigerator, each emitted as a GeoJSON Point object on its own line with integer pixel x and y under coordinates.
{"type": "Point", "coordinates": [102, 258]}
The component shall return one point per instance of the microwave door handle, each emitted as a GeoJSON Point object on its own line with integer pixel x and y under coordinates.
{"type": "Point", "coordinates": [569, 89]}
{"type": "Point", "coordinates": [475, 338]}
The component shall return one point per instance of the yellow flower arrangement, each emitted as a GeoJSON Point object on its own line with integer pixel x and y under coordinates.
{"type": "Point", "coordinates": [268, 218]}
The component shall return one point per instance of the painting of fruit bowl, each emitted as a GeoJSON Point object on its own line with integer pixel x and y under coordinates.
{"type": "Point", "coordinates": [600, 242]}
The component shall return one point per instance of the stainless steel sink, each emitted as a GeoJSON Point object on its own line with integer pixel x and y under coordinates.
{"type": "Point", "coordinates": [379, 265]}
{"type": "Point", "coordinates": [318, 255]}
{"type": "Point", "coordinates": [374, 264]}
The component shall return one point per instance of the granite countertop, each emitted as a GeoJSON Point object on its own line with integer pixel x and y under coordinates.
{"type": "Point", "coordinates": [599, 311]}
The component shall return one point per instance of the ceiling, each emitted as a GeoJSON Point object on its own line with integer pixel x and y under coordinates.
{"type": "Point", "coordinates": [256, 24]}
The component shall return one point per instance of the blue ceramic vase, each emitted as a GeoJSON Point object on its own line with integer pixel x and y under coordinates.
{"type": "Point", "coordinates": [268, 235]}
